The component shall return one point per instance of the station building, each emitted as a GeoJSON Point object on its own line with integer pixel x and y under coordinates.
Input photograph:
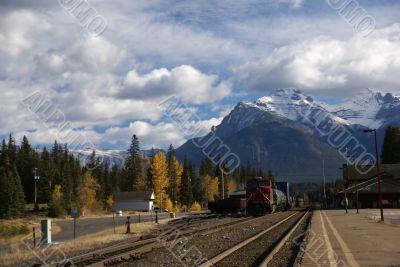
{"type": "Point", "coordinates": [134, 201]}
{"type": "Point", "coordinates": [366, 184]}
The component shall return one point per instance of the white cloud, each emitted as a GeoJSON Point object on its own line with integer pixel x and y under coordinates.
{"type": "Point", "coordinates": [18, 30]}
{"type": "Point", "coordinates": [185, 81]}
{"type": "Point", "coordinates": [324, 63]}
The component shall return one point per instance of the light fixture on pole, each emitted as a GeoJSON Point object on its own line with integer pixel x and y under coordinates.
{"type": "Point", "coordinates": [378, 171]}
{"type": "Point", "coordinates": [353, 176]}
{"type": "Point", "coordinates": [36, 177]}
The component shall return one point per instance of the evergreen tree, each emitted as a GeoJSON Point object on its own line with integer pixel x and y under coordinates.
{"type": "Point", "coordinates": [195, 181]}
{"type": "Point", "coordinates": [243, 175]}
{"type": "Point", "coordinates": [46, 173]}
{"type": "Point", "coordinates": [114, 178]}
{"type": "Point", "coordinates": [248, 171]}
{"type": "Point", "coordinates": [11, 192]}
{"type": "Point", "coordinates": [3, 153]}
{"type": "Point", "coordinates": [170, 152]}
{"type": "Point", "coordinates": [391, 146]}
{"type": "Point", "coordinates": [186, 185]}
{"type": "Point", "coordinates": [26, 162]}
{"type": "Point", "coordinates": [134, 164]}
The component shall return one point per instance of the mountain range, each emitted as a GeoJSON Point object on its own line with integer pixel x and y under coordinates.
{"type": "Point", "coordinates": [274, 133]}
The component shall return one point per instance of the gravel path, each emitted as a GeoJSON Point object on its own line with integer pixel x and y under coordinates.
{"type": "Point", "coordinates": [186, 252]}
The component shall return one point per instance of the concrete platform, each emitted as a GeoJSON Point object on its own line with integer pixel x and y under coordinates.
{"type": "Point", "coordinates": [339, 239]}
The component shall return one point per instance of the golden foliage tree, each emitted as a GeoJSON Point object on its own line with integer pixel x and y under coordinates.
{"type": "Point", "coordinates": [159, 172]}
{"type": "Point", "coordinates": [88, 193]}
{"type": "Point", "coordinates": [167, 204]}
{"type": "Point", "coordinates": [109, 201]}
{"type": "Point", "coordinates": [175, 173]}
{"type": "Point", "coordinates": [56, 205]}
{"type": "Point", "coordinates": [208, 188]}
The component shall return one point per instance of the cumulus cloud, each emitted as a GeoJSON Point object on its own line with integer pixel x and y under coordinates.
{"type": "Point", "coordinates": [185, 81]}
{"type": "Point", "coordinates": [17, 30]}
{"type": "Point", "coordinates": [325, 63]}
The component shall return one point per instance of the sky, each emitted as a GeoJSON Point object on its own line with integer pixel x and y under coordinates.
{"type": "Point", "coordinates": [107, 73]}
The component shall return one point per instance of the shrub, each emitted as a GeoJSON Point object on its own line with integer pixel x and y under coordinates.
{"type": "Point", "coordinates": [195, 206]}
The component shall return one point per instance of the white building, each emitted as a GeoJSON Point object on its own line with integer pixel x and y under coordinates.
{"type": "Point", "coordinates": [134, 201]}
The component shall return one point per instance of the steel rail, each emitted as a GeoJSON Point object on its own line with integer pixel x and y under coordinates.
{"type": "Point", "coordinates": [231, 250]}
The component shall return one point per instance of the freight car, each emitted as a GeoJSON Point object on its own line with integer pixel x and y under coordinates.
{"type": "Point", "coordinates": [284, 187]}
{"type": "Point", "coordinates": [260, 197]}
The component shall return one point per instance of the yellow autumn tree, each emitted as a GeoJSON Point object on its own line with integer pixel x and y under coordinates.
{"type": "Point", "coordinates": [208, 188]}
{"type": "Point", "coordinates": [232, 185]}
{"type": "Point", "coordinates": [159, 172]}
{"type": "Point", "coordinates": [88, 193]}
{"type": "Point", "coordinates": [109, 201]}
{"type": "Point", "coordinates": [175, 173]}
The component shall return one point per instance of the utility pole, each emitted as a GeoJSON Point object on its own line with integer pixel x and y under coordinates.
{"type": "Point", "coordinates": [36, 178]}
{"type": "Point", "coordinates": [223, 184]}
{"type": "Point", "coordinates": [323, 174]}
{"type": "Point", "coordinates": [378, 171]}
{"type": "Point", "coordinates": [353, 176]}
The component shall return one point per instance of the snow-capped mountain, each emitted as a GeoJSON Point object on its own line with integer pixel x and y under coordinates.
{"type": "Point", "coordinates": [275, 131]}
{"type": "Point", "coordinates": [370, 109]}
{"type": "Point", "coordinates": [109, 157]}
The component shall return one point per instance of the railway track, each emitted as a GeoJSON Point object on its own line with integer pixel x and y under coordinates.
{"type": "Point", "coordinates": [131, 249]}
{"type": "Point", "coordinates": [260, 249]}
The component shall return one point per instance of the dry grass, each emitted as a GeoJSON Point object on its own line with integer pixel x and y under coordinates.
{"type": "Point", "coordinates": [20, 253]}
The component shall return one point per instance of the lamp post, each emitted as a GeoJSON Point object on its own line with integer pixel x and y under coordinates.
{"type": "Point", "coordinates": [36, 177]}
{"type": "Point", "coordinates": [378, 171]}
{"type": "Point", "coordinates": [353, 176]}
{"type": "Point", "coordinates": [323, 174]}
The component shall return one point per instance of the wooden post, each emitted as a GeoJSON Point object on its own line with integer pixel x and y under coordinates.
{"type": "Point", "coordinates": [34, 237]}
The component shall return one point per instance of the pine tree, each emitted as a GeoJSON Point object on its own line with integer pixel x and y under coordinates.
{"type": "Point", "coordinates": [243, 176]}
{"type": "Point", "coordinates": [114, 178]}
{"type": "Point", "coordinates": [46, 173]}
{"type": "Point", "coordinates": [391, 146]}
{"type": "Point", "coordinates": [159, 171]}
{"type": "Point", "coordinates": [170, 152]}
{"type": "Point", "coordinates": [11, 193]}
{"type": "Point", "coordinates": [25, 165]}
{"type": "Point", "coordinates": [3, 152]}
{"type": "Point", "coordinates": [134, 165]}
{"type": "Point", "coordinates": [248, 171]}
{"type": "Point", "coordinates": [186, 185]}
{"type": "Point", "coordinates": [195, 181]}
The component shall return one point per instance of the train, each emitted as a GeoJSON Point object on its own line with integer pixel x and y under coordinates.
{"type": "Point", "coordinates": [260, 196]}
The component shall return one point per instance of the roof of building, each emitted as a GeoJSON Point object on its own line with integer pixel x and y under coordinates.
{"type": "Point", "coordinates": [134, 195]}
{"type": "Point", "coordinates": [351, 173]}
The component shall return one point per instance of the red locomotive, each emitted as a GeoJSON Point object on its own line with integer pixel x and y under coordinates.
{"type": "Point", "coordinates": [260, 197]}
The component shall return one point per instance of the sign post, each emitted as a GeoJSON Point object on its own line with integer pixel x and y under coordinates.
{"type": "Point", "coordinates": [75, 215]}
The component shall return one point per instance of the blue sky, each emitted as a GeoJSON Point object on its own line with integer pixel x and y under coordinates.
{"type": "Point", "coordinates": [211, 54]}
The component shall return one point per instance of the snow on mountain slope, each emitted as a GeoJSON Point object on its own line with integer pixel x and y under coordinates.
{"type": "Point", "coordinates": [288, 104]}
{"type": "Point", "coordinates": [367, 107]}
{"type": "Point", "coordinates": [292, 104]}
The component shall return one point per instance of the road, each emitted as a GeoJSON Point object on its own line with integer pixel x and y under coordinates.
{"type": "Point", "coordinates": [93, 225]}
